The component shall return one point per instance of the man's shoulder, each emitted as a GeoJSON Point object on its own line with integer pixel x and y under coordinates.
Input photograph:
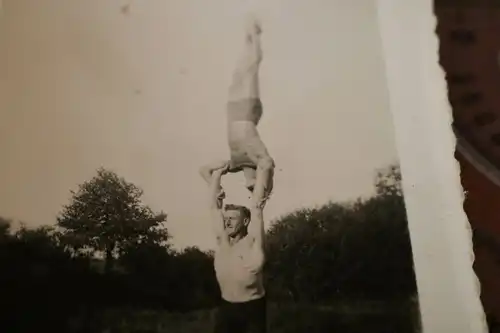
{"type": "Point", "coordinates": [253, 248]}
{"type": "Point", "coordinates": [245, 244]}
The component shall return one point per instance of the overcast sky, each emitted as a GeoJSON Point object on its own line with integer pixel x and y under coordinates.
{"type": "Point", "coordinates": [140, 87]}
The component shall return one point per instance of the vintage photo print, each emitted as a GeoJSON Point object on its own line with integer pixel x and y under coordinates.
{"type": "Point", "coordinates": [194, 166]}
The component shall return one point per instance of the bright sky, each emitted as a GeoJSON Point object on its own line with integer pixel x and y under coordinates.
{"type": "Point", "coordinates": [141, 90]}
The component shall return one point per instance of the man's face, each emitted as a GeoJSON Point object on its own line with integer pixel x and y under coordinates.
{"type": "Point", "coordinates": [233, 222]}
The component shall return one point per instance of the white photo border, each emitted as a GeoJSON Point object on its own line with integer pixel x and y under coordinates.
{"type": "Point", "coordinates": [440, 232]}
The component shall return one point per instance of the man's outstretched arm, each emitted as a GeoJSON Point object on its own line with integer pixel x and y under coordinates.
{"type": "Point", "coordinates": [215, 204]}
{"type": "Point", "coordinates": [256, 226]}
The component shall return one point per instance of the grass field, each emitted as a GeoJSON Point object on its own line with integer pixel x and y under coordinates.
{"type": "Point", "coordinates": [354, 318]}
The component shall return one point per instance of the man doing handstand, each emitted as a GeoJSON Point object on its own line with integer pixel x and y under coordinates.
{"type": "Point", "coordinates": [244, 110]}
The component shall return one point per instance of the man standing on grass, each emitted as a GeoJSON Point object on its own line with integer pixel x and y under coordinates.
{"type": "Point", "coordinates": [238, 261]}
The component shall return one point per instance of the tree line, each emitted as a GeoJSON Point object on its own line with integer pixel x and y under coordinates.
{"type": "Point", "coordinates": [108, 249]}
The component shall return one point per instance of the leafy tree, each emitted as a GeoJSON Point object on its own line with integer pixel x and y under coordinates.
{"type": "Point", "coordinates": [5, 225]}
{"type": "Point", "coordinates": [193, 278]}
{"type": "Point", "coordinates": [354, 249]}
{"type": "Point", "coordinates": [106, 214]}
{"type": "Point", "coordinates": [44, 241]}
{"type": "Point", "coordinates": [388, 181]}
{"type": "Point", "coordinates": [146, 259]}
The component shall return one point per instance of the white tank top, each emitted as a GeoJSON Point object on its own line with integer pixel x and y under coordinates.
{"type": "Point", "coordinates": [239, 273]}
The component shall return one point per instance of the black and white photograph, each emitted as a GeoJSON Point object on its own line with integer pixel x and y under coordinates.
{"type": "Point", "coordinates": [194, 167]}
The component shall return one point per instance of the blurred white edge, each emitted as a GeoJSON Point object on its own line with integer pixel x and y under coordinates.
{"type": "Point", "coordinates": [439, 229]}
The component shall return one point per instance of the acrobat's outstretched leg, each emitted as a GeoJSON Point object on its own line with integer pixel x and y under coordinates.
{"type": "Point", "coordinates": [244, 88]}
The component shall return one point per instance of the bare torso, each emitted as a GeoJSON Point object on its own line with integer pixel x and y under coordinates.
{"type": "Point", "coordinates": [245, 145]}
{"type": "Point", "coordinates": [238, 269]}
{"type": "Point", "coordinates": [243, 116]}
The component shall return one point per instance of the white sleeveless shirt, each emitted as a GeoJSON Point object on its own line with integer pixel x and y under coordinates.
{"type": "Point", "coordinates": [239, 272]}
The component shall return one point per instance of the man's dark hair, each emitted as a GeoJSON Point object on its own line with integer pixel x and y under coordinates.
{"type": "Point", "coordinates": [245, 212]}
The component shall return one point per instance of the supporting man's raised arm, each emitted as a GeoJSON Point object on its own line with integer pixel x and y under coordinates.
{"type": "Point", "coordinates": [256, 226]}
{"type": "Point", "coordinates": [215, 204]}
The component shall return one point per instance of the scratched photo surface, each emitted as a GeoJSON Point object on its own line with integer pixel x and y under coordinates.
{"type": "Point", "coordinates": [194, 166]}
{"type": "Point", "coordinates": [470, 56]}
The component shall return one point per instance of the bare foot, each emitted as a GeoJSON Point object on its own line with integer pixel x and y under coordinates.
{"type": "Point", "coordinates": [257, 27]}
{"type": "Point", "coordinates": [253, 41]}
{"type": "Point", "coordinates": [222, 194]}
{"type": "Point", "coordinates": [254, 28]}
